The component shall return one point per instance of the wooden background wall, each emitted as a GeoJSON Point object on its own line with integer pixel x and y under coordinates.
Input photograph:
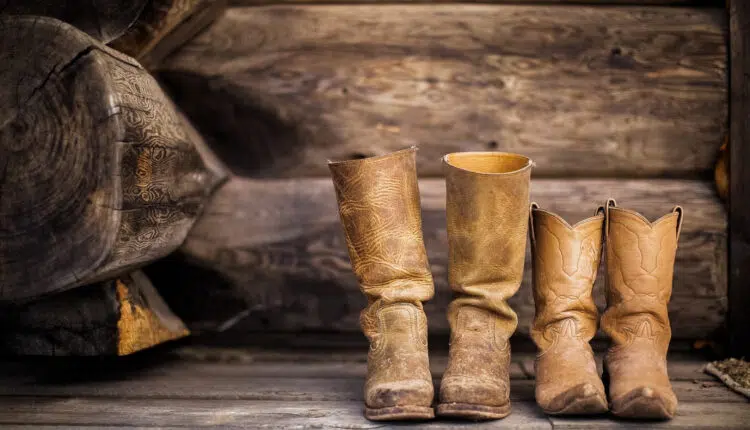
{"type": "Point", "coordinates": [621, 101]}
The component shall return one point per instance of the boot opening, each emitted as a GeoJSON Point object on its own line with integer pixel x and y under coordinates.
{"type": "Point", "coordinates": [488, 162]}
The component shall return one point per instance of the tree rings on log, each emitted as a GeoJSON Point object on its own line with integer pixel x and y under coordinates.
{"type": "Point", "coordinates": [99, 172]}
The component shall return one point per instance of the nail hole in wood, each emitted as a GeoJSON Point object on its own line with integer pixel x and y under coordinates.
{"type": "Point", "coordinates": [492, 144]}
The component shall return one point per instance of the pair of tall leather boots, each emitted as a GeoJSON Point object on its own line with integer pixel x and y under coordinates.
{"type": "Point", "coordinates": [488, 218]}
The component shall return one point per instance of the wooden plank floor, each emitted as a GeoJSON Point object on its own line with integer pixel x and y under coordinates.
{"type": "Point", "coordinates": [191, 387]}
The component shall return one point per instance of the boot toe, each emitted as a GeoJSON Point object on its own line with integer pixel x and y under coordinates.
{"type": "Point", "coordinates": [474, 391]}
{"type": "Point", "coordinates": [646, 402]}
{"type": "Point", "coordinates": [582, 399]}
{"type": "Point", "coordinates": [411, 392]}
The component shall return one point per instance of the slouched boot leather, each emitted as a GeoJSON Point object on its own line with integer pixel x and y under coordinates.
{"type": "Point", "coordinates": [565, 260]}
{"type": "Point", "coordinates": [379, 207]}
{"type": "Point", "coordinates": [487, 211]}
{"type": "Point", "coordinates": [640, 264]}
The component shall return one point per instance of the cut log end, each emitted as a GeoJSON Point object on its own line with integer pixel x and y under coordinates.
{"type": "Point", "coordinates": [99, 173]}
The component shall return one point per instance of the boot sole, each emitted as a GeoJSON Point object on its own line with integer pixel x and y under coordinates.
{"type": "Point", "coordinates": [473, 412]}
{"type": "Point", "coordinates": [400, 413]}
{"type": "Point", "coordinates": [591, 405]}
{"type": "Point", "coordinates": [634, 406]}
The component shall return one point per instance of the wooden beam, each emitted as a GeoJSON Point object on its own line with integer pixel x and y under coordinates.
{"type": "Point", "coordinates": [739, 181]}
{"type": "Point", "coordinates": [584, 91]}
{"type": "Point", "coordinates": [100, 172]}
{"type": "Point", "coordinates": [117, 317]}
{"type": "Point", "coordinates": [164, 25]}
{"type": "Point", "coordinates": [104, 20]}
{"type": "Point", "coordinates": [289, 267]}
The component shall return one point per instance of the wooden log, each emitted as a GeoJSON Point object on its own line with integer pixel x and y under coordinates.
{"type": "Point", "coordinates": [290, 267]}
{"type": "Point", "coordinates": [99, 173]}
{"type": "Point", "coordinates": [117, 317]}
{"type": "Point", "coordinates": [104, 20]}
{"type": "Point", "coordinates": [164, 25]}
{"type": "Point", "coordinates": [739, 181]}
{"type": "Point", "coordinates": [584, 91]}
{"type": "Point", "coordinates": [705, 3]}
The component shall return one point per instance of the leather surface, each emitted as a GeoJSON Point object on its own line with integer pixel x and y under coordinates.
{"type": "Point", "coordinates": [487, 211]}
{"type": "Point", "coordinates": [640, 263]}
{"type": "Point", "coordinates": [379, 208]}
{"type": "Point", "coordinates": [565, 262]}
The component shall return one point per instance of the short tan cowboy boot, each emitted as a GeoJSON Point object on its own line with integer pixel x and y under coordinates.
{"type": "Point", "coordinates": [565, 259]}
{"type": "Point", "coordinates": [488, 212]}
{"type": "Point", "coordinates": [640, 263]}
{"type": "Point", "coordinates": [379, 207]}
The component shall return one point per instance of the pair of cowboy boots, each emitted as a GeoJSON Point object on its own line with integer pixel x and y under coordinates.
{"type": "Point", "coordinates": [487, 212]}
{"type": "Point", "coordinates": [639, 266]}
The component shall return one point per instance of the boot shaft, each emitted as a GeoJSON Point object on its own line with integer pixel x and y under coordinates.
{"type": "Point", "coordinates": [378, 200]}
{"type": "Point", "coordinates": [565, 260]}
{"type": "Point", "coordinates": [640, 266]}
{"type": "Point", "coordinates": [487, 212]}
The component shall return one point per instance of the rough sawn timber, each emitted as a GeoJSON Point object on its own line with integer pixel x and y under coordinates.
{"type": "Point", "coordinates": [584, 91]}
{"type": "Point", "coordinates": [99, 172]}
{"type": "Point", "coordinates": [290, 269]}
{"type": "Point", "coordinates": [116, 317]}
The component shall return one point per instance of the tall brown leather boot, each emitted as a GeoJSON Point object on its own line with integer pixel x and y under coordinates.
{"type": "Point", "coordinates": [379, 207]}
{"type": "Point", "coordinates": [640, 264]}
{"type": "Point", "coordinates": [488, 211]}
{"type": "Point", "coordinates": [565, 261]}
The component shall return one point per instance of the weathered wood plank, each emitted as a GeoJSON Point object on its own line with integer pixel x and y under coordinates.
{"type": "Point", "coordinates": [100, 172]}
{"type": "Point", "coordinates": [117, 317]}
{"type": "Point", "coordinates": [137, 413]}
{"type": "Point", "coordinates": [291, 268]}
{"type": "Point", "coordinates": [226, 413]}
{"type": "Point", "coordinates": [606, 91]}
{"type": "Point", "coordinates": [230, 385]}
{"type": "Point", "coordinates": [739, 181]}
{"type": "Point", "coordinates": [241, 414]}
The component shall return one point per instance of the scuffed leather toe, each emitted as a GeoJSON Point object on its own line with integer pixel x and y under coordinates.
{"type": "Point", "coordinates": [474, 391]}
{"type": "Point", "coordinates": [646, 403]}
{"type": "Point", "coordinates": [412, 392]}
{"type": "Point", "coordinates": [582, 399]}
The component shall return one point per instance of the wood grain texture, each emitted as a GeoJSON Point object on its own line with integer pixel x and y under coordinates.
{"type": "Point", "coordinates": [230, 385]}
{"type": "Point", "coordinates": [99, 173]}
{"type": "Point", "coordinates": [164, 25]}
{"type": "Point", "coordinates": [117, 317]}
{"type": "Point", "coordinates": [290, 270]}
{"type": "Point", "coordinates": [739, 181]}
{"type": "Point", "coordinates": [583, 91]}
{"type": "Point", "coordinates": [104, 20]}
{"type": "Point", "coordinates": [238, 414]}
{"type": "Point", "coordinates": [282, 389]}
